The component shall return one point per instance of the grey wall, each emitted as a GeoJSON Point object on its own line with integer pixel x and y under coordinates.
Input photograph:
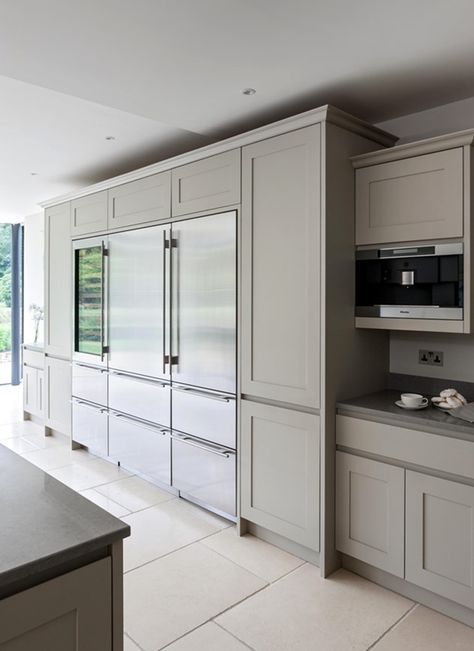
{"type": "Point", "coordinates": [458, 349]}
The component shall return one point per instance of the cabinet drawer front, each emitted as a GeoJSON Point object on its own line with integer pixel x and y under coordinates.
{"type": "Point", "coordinates": [280, 471]}
{"type": "Point", "coordinates": [204, 414]}
{"type": "Point", "coordinates": [440, 536]}
{"type": "Point", "coordinates": [416, 198]}
{"type": "Point", "coordinates": [89, 426]}
{"type": "Point", "coordinates": [140, 448]}
{"type": "Point", "coordinates": [280, 268]}
{"type": "Point", "coordinates": [33, 358]}
{"type": "Point", "coordinates": [145, 200]}
{"type": "Point", "coordinates": [140, 397]}
{"type": "Point", "coordinates": [207, 184]}
{"type": "Point", "coordinates": [89, 214]}
{"type": "Point", "coordinates": [205, 475]}
{"type": "Point", "coordinates": [370, 517]}
{"type": "Point", "coordinates": [89, 383]}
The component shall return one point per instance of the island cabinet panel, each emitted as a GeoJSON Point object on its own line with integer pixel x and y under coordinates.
{"type": "Point", "coordinates": [89, 214]}
{"type": "Point", "coordinates": [58, 281]}
{"type": "Point", "coordinates": [281, 268]}
{"type": "Point", "coordinates": [33, 391]}
{"type": "Point", "coordinates": [138, 202]}
{"type": "Point", "coordinates": [370, 517]}
{"type": "Point", "coordinates": [57, 388]}
{"type": "Point", "coordinates": [280, 471]}
{"type": "Point", "coordinates": [209, 183]}
{"type": "Point", "coordinates": [417, 198]}
{"type": "Point", "coordinates": [440, 536]}
{"type": "Point", "coordinates": [72, 612]}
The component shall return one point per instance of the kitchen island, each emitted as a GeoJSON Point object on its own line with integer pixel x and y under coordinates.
{"type": "Point", "coordinates": [60, 565]}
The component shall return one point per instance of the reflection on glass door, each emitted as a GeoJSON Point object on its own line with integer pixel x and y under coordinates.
{"type": "Point", "coordinates": [89, 300]}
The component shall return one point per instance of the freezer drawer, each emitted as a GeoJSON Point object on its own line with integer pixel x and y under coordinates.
{"type": "Point", "coordinates": [204, 473]}
{"type": "Point", "coordinates": [141, 397]}
{"type": "Point", "coordinates": [140, 447]}
{"type": "Point", "coordinates": [89, 383]}
{"type": "Point", "coordinates": [205, 414]}
{"type": "Point", "coordinates": [89, 426]}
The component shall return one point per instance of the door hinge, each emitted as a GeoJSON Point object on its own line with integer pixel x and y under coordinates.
{"type": "Point", "coordinates": [174, 243]}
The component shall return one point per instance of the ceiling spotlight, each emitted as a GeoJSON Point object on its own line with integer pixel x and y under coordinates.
{"type": "Point", "coordinates": [249, 91]}
{"type": "Point", "coordinates": [33, 173]}
{"type": "Point", "coordinates": [110, 137]}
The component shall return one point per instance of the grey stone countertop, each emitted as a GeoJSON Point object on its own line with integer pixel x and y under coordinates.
{"type": "Point", "coordinates": [45, 524]}
{"type": "Point", "coordinates": [381, 406]}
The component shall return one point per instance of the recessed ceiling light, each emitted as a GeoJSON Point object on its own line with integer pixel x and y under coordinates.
{"type": "Point", "coordinates": [110, 137]}
{"type": "Point", "coordinates": [249, 91]}
{"type": "Point", "coordinates": [33, 173]}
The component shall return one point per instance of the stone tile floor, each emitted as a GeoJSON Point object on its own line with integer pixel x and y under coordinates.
{"type": "Point", "coordinates": [191, 584]}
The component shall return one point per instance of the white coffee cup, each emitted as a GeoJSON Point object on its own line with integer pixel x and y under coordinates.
{"type": "Point", "coordinates": [413, 399]}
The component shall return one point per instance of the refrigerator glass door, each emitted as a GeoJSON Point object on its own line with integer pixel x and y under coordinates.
{"type": "Point", "coordinates": [203, 322]}
{"type": "Point", "coordinates": [90, 288]}
{"type": "Point", "coordinates": [138, 309]}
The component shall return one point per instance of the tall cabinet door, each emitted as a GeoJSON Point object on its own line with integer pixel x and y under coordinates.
{"type": "Point", "coordinates": [203, 323]}
{"type": "Point", "coordinates": [138, 311]}
{"type": "Point", "coordinates": [58, 281]}
{"type": "Point", "coordinates": [280, 267]}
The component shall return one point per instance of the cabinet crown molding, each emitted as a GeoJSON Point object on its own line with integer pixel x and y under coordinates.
{"type": "Point", "coordinates": [326, 113]}
{"type": "Point", "coordinates": [416, 148]}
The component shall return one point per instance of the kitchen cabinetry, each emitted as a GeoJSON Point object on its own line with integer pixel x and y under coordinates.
{"type": "Point", "coordinates": [212, 182]}
{"type": "Point", "coordinates": [370, 509]}
{"type": "Point", "coordinates": [141, 201]}
{"type": "Point", "coordinates": [72, 612]}
{"type": "Point", "coordinates": [440, 536]}
{"type": "Point", "coordinates": [33, 380]}
{"type": "Point", "coordinates": [58, 281]}
{"type": "Point", "coordinates": [416, 198]}
{"type": "Point", "coordinates": [89, 214]}
{"type": "Point", "coordinates": [57, 390]}
{"type": "Point", "coordinates": [280, 471]}
{"type": "Point", "coordinates": [280, 267]}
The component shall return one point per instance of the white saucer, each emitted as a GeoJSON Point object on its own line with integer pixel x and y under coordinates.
{"type": "Point", "coordinates": [399, 403]}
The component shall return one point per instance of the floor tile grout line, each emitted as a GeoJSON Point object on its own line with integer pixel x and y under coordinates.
{"type": "Point", "coordinates": [394, 625]}
{"type": "Point", "coordinates": [107, 498]}
{"type": "Point", "coordinates": [133, 640]}
{"type": "Point", "coordinates": [233, 634]}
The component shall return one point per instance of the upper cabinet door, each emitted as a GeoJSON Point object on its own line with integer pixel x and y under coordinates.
{"type": "Point", "coordinates": [417, 198]}
{"type": "Point", "coordinates": [58, 281]}
{"type": "Point", "coordinates": [89, 214]}
{"type": "Point", "coordinates": [145, 200]}
{"type": "Point", "coordinates": [280, 267]}
{"type": "Point", "coordinates": [210, 183]}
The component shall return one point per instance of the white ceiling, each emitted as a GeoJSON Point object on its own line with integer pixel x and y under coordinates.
{"type": "Point", "coordinates": [163, 76]}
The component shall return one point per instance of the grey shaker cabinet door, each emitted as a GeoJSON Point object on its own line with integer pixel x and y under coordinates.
{"type": "Point", "coordinates": [138, 202]}
{"type": "Point", "coordinates": [440, 536]}
{"type": "Point", "coordinates": [417, 198]}
{"type": "Point", "coordinates": [57, 394]}
{"type": "Point", "coordinates": [58, 281]}
{"type": "Point", "coordinates": [72, 612]}
{"type": "Point", "coordinates": [370, 512]}
{"type": "Point", "coordinates": [280, 471]}
{"type": "Point", "coordinates": [89, 214]}
{"type": "Point", "coordinates": [280, 268]}
{"type": "Point", "coordinates": [209, 183]}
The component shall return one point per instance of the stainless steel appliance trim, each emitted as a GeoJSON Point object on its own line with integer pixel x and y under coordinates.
{"type": "Point", "coordinates": [421, 250]}
{"type": "Point", "coordinates": [89, 405]}
{"type": "Point", "coordinates": [104, 303]}
{"type": "Point", "coordinates": [221, 397]}
{"type": "Point", "coordinates": [142, 423]}
{"type": "Point", "coordinates": [206, 447]}
{"type": "Point", "coordinates": [165, 356]}
{"type": "Point", "coordinates": [206, 506]}
{"type": "Point", "coordinates": [137, 378]}
{"type": "Point", "coordinates": [411, 312]}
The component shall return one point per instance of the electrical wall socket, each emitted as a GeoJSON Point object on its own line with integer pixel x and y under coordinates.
{"type": "Point", "coordinates": [431, 357]}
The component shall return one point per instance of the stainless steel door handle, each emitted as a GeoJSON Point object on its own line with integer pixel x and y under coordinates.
{"type": "Point", "coordinates": [135, 378]}
{"type": "Point", "coordinates": [204, 394]}
{"type": "Point", "coordinates": [157, 429]}
{"type": "Point", "coordinates": [88, 405]}
{"type": "Point", "coordinates": [104, 335]}
{"type": "Point", "coordinates": [90, 366]}
{"type": "Point", "coordinates": [188, 440]}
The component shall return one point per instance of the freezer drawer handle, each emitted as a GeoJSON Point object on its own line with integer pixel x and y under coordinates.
{"type": "Point", "coordinates": [157, 429]}
{"type": "Point", "coordinates": [221, 452]}
{"type": "Point", "coordinates": [93, 368]}
{"type": "Point", "coordinates": [204, 394]}
{"type": "Point", "coordinates": [129, 376]}
{"type": "Point", "coordinates": [82, 403]}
